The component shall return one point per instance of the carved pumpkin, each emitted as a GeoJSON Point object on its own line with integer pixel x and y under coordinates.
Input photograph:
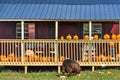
{"type": "Point", "coordinates": [61, 38]}
{"type": "Point", "coordinates": [106, 36]}
{"type": "Point", "coordinates": [86, 37]}
{"type": "Point", "coordinates": [75, 37]}
{"type": "Point", "coordinates": [113, 36]}
{"type": "Point", "coordinates": [96, 37]}
{"type": "Point", "coordinates": [118, 36]}
{"type": "Point", "coordinates": [68, 37]}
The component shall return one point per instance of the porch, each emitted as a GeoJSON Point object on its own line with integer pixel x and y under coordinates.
{"type": "Point", "coordinates": [52, 52]}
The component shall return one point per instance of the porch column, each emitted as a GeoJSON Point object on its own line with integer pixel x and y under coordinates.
{"type": "Point", "coordinates": [90, 30]}
{"type": "Point", "coordinates": [56, 30]}
{"type": "Point", "coordinates": [56, 38]}
{"type": "Point", "coordinates": [22, 37]}
{"type": "Point", "coordinates": [90, 37]}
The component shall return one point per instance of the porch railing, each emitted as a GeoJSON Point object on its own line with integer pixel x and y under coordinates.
{"type": "Point", "coordinates": [83, 51]}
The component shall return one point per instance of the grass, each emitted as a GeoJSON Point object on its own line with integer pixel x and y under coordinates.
{"type": "Point", "coordinates": [86, 74]}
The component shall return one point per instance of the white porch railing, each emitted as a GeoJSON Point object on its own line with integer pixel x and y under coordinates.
{"type": "Point", "coordinates": [84, 51]}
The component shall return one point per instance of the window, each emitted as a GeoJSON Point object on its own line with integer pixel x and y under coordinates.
{"type": "Point", "coordinates": [29, 30]}
{"type": "Point", "coordinates": [96, 29]}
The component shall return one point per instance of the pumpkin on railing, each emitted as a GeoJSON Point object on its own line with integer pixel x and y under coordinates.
{"type": "Point", "coordinates": [118, 37]}
{"type": "Point", "coordinates": [68, 37]}
{"type": "Point", "coordinates": [106, 36]}
{"type": "Point", "coordinates": [113, 36]}
{"type": "Point", "coordinates": [86, 37]}
{"type": "Point", "coordinates": [75, 37]}
{"type": "Point", "coordinates": [96, 37]}
{"type": "Point", "coordinates": [61, 38]}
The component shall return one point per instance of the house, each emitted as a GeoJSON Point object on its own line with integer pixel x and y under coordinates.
{"type": "Point", "coordinates": [24, 21]}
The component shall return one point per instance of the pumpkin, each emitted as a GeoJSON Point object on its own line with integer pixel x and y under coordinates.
{"type": "Point", "coordinates": [75, 37]}
{"type": "Point", "coordinates": [96, 37]}
{"type": "Point", "coordinates": [86, 58]}
{"type": "Point", "coordinates": [36, 58]}
{"type": "Point", "coordinates": [113, 36]}
{"type": "Point", "coordinates": [86, 37]}
{"type": "Point", "coordinates": [68, 37]}
{"type": "Point", "coordinates": [43, 59]}
{"type": "Point", "coordinates": [95, 58]}
{"type": "Point", "coordinates": [101, 57]}
{"type": "Point", "coordinates": [108, 58]}
{"type": "Point", "coordinates": [118, 36]}
{"type": "Point", "coordinates": [62, 58]}
{"type": "Point", "coordinates": [3, 58]}
{"type": "Point", "coordinates": [106, 36]}
{"type": "Point", "coordinates": [61, 38]}
{"type": "Point", "coordinates": [48, 59]}
{"type": "Point", "coordinates": [111, 43]}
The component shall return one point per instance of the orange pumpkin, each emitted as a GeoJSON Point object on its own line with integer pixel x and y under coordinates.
{"type": "Point", "coordinates": [44, 59]}
{"type": "Point", "coordinates": [118, 36]}
{"type": "Point", "coordinates": [86, 37]}
{"type": "Point", "coordinates": [106, 36]}
{"type": "Point", "coordinates": [62, 58]}
{"type": "Point", "coordinates": [61, 38]}
{"type": "Point", "coordinates": [68, 37]}
{"type": "Point", "coordinates": [75, 37]}
{"type": "Point", "coordinates": [3, 58]}
{"type": "Point", "coordinates": [36, 58]}
{"type": "Point", "coordinates": [96, 37]}
{"type": "Point", "coordinates": [113, 36]}
{"type": "Point", "coordinates": [101, 57]}
{"type": "Point", "coordinates": [95, 58]}
{"type": "Point", "coordinates": [108, 58]}
{"type": "Point", "coordinates": [86, 58]}
{"type": "Point", "coordinates": [111, 43]}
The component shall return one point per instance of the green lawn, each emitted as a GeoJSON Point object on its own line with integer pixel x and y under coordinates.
{"type": "Point", "coordinates": [100, 74]}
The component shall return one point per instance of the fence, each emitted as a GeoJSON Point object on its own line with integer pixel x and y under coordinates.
{"type": "Point", "coordinates": [53, 52]}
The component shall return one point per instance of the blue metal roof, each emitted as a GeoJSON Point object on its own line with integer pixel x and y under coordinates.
{"type": "Point", "coordinates": [62, 1]}
{"type": "Point", "coordinates": [59, 11]}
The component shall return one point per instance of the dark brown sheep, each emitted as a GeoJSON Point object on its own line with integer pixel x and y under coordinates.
{"type": "Point", "coordinates": [70, 67]}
